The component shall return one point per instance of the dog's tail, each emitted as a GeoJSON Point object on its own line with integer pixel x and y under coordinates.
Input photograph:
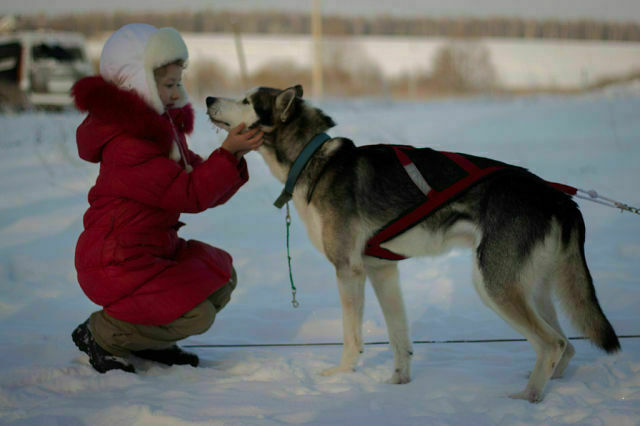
{"type": "Point", "coordinates": [576, 291]}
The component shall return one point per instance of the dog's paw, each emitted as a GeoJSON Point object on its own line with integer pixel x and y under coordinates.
{"type": "Point", "coordinates": [398, 379]}
{"type": "Point", "coordinates": [530, 395]}
{"type": "Point", "coordinates": [336, 370]}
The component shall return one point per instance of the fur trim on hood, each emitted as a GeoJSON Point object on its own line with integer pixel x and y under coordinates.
{"type": "Point", "coordinates": [114, 111]}
{"type": "Point", "coordinates": [133, 52]}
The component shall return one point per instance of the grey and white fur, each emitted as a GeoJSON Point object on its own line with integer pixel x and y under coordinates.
{"type": "Point", "coordinates": [527, 238]}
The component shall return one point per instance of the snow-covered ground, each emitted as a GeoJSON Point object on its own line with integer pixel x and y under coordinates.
{"type": "Point", "coordinates": [590, 141]}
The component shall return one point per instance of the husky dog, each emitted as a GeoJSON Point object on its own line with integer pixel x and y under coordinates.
{"type": "Point", "coordinates": [527, 237]}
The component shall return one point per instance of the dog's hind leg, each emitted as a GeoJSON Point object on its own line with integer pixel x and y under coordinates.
{"type": "Point", "coordinates": [385, 282]}
{"type": "Point", "coordinates": [547, 310]}
{"type": "Point", "coordinates": [351, 279]}
{"type": "Point", "coordinates": [546, 341]}
{"type": "Point", "coordinates": [513, 300]}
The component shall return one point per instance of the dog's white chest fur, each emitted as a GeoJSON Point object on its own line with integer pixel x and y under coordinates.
{"type": "Point", "coordinates": [312, 220]}
{"type": "Point", "coordinates": [307, 212]}
{"type": "Point", "coordinates": [278, 170]}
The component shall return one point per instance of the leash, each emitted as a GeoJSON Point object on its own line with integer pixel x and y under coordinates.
{"type": "Point", "coordinates": [294, 302]}
{"type": "Point", "coordinates": [593, 196]}
{"type": "Point", "coordinates": [284, 198]}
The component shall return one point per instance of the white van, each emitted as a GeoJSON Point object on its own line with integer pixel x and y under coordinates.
{"type": "Point", "coordinates": [39, 68]}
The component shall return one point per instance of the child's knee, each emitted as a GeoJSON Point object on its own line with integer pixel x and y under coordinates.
{"type": "Point", "coordinates": [222, 296]}
{"type": "Point", "coordinates": [200, 318]}
{"type": "Point", "coordinates": [234, 279]}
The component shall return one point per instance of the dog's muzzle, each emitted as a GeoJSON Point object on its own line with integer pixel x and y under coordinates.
{"type": "Point", "coordinates": [213, 111]}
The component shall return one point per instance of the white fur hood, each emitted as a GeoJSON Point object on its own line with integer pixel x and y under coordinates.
{"type": "Point", "coordinates": [131, 54]}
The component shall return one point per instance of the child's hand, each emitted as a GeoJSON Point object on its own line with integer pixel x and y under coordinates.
{"type": "Point", "coordinates": [239, 143]}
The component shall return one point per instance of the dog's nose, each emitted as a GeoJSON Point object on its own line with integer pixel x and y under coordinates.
{"type": "Point", "coordinates": [210, 100]}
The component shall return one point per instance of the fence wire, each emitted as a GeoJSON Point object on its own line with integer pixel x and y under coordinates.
{"type": "Point", "coordinates": [415, 342]}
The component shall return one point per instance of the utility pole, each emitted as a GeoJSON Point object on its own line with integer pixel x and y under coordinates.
{"type": "Point", "coordinates": [241, 58]}
{"type": "Point", "coordinates": [316, 34]}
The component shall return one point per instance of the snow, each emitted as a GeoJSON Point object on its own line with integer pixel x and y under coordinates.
{"type": "Point", "coordinates": [590, 141]}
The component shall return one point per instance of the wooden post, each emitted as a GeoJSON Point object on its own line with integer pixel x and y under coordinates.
{"type": "Point", "coordinates": [241, 59]}
{"type": "Point", "coordinates": [316, 34]}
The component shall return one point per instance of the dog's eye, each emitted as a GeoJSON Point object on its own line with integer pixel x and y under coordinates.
{"type": "Point", "coordinates": [245, 101]}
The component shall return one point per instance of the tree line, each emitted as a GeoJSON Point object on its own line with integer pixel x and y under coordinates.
{"type": "Point", "coordinates": [212, 21]}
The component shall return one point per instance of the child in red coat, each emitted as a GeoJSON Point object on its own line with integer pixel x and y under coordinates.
{"type": "Point", "coordinates": [155, 288]}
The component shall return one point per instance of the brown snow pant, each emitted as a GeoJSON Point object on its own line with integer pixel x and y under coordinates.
{"type": "Point", "coordinates": [120, 338]}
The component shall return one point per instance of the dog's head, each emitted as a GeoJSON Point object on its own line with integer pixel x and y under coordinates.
{"type": "Point", "coordinates": [263, 107]}
{"type": "Point", "coordinates": [269, 109]}
{"type": "Point", "coordinates": [287, 121]}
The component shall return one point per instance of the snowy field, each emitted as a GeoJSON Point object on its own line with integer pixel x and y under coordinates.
{"type": "Point", "coordinates": [520, 63]}
{"type": "Point", "coordinates": [590, 141]}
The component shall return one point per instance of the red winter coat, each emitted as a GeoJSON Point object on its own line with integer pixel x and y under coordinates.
{"type": "Point", "coordinates": [129, 259]}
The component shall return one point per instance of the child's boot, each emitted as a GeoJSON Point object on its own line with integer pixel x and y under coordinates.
{"type": "Point", "coordinates": [99, 358]}
{"type": "Point", "coordinates": [170, 356]}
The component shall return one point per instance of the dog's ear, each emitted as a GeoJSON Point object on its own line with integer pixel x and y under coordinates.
{"type": "Point", "coordinates": [285, 102]}
{"type": "Point", "coordinates": [298, 88]}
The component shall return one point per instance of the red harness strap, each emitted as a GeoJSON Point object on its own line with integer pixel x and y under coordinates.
{"type": "Point", "coordinates": [434, 200]}
{"type": "Point", "coordinates": [564, 188]}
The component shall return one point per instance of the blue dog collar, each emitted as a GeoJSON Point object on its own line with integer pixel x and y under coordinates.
{"type": "Point", "coordinates": [298, 166]}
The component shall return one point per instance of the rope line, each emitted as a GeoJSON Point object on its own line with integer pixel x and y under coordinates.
{"type": "Point", "coordinates": [605, 201]}
{"type": "Point", "coordinates": [415, 342]}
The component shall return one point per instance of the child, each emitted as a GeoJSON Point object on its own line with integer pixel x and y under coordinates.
{"type": "Point", "coordinates": [155, 287]}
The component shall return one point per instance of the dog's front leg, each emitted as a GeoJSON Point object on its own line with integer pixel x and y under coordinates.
{"type": "Point", "coordinates": [351, 288]}
{"type": "Point", "coordinates": [385, 281]}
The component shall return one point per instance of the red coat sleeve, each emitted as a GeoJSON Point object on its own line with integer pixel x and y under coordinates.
{"type": "Point", "coordinates": [136, 170]}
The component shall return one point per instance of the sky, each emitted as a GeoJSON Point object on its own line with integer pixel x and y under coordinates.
{"type": "Point", "coordinates": [613, 10]}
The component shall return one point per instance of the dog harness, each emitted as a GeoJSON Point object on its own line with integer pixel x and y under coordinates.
{"type": "Point", "coordinates": [471, 170]}
{"type": "Point", "coordinates": [463, 171]}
